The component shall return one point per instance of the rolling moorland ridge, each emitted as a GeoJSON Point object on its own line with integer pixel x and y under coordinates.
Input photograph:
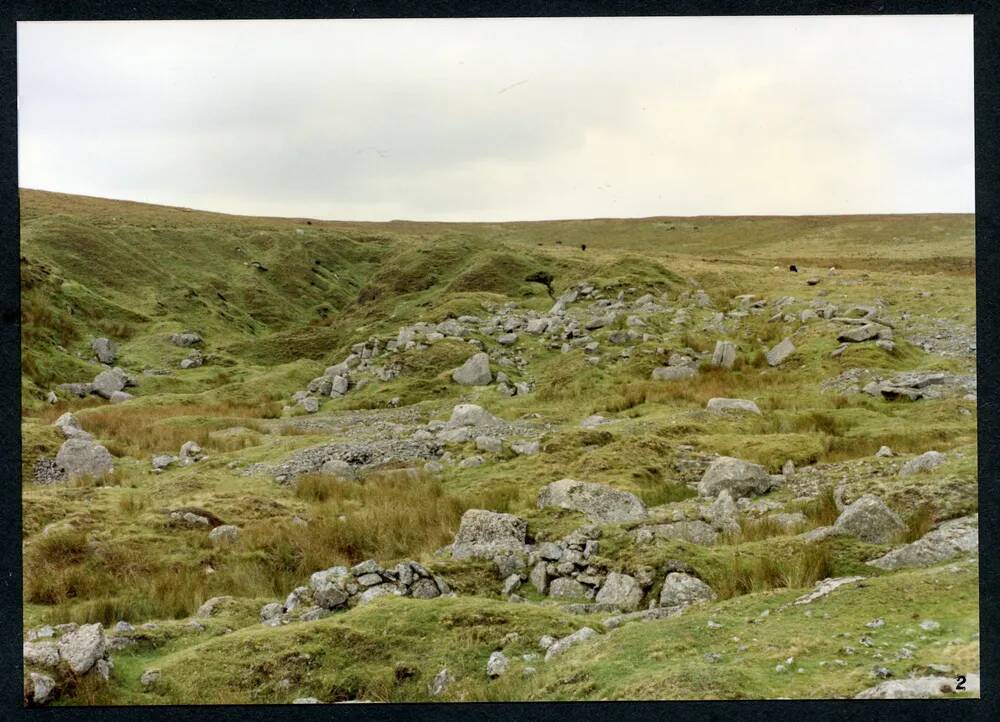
{"type": "Point", "coordinates": [271, 460]}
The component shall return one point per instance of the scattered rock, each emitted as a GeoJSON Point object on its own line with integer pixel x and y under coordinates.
{"type": "Point", "coordinates": [780, 353]}
{"type": "Point", "coordinates": [870, 520]}
{"type": "Point", "coordinates": [721, 405]}
{"type": "Point", "coordinates": [682, 590]}
{"type": "Point", "coordinates": [620, 590]}
{"type": "Point", "coordinates": [740, 478]}
{"type": "Point", "coordinates": [601, 503]}
{"type": "Point", "coordinates": [474, 372]}
{"type": "Point", "coordinates": [84, 458]}
{"type": "Point", "coordinates": [483, 534]}
{"type": "Point", "coordinates": [104, 349]}
{"type": "Point", "coordinates": [951, 539]}
{"type": "Point", "coordinates": [497, 665]}
{"type": "Point", "coordinates": [224, 534]}
{"type": "Point", "coordinates": [925, 462]}
{"type": "Point", "coordinates": [561, 645]}
{"type": "Point", "coordinates": [82, 648]}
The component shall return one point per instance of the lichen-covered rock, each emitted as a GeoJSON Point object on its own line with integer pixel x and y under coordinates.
{"type": "Point", "coordinates": [694, 531]}
{"type": "Point", "coordinates": [497, 665]}
{"type": "Point", "coordinates": [724, 355]}
{"type": "Point", "coordinates": [721, 405]}
{"type": "Point", "coordinates": [925, 462]}
{"type": "Point", "coordinates": [43, 687]}
{"type": "Point", "coordinates": [109, 381]}
{"type": "Point", "coordinates": [870, 520]}
{"type": "Point", "coordinates": [84, 458]}
{"type": "Point", "coordinates": [483, 534]}
{"type": "Point", "coordinates": [621, 590]}
{"type": "Point", "coordinates": [673, 373]}
{"type": "Point", "coordinates": [681, 590]}
{"type": "Point", "coordinates": [918, 688]}
{"type": "Point", "coordinates": [566, 588]}
{"type": "Point", "coordinates": [780, 353]}
{"type": "Point", "coordinates": [601, 503]}
{"type": "Point", "coordinates": [41, 654]}
{"type": "Point", "coordinates": [474, 372]}
{"type": "Point", "coordinates": [561, 645]}
{"type": "Point", "coordinates": [738, 477]}
{"type": "Point", "coordinates": [82, 648]}
{"type": "Point", "coordinates": [224, 534]}
{"type": "Point", "coordinates": [70, 427]}
{"type": "Point", "coordinates": [951, 539]}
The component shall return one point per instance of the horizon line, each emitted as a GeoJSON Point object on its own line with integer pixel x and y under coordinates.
{"type": "Point", "coordinates": [494, 222]}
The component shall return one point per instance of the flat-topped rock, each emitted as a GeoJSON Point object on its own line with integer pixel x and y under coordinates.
{"type": "Point", "coordinates": [601, 503]}
{"type": "Point", "coordinates": [483, 534]}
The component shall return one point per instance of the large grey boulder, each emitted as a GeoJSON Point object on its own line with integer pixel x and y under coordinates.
{"type": "Point", "coordinates": [724, 355]}
{"type": "Point", "coordinates": [780, 353]}
{"type": "Point", "coordinates": [925, 462]}
{"type": "Point", "coordinates": [620, 590]}
{"type": "Point", "coordinates": [601, 503]}
{"type": "Point", "coordinates": [682, 590]}
{"type": "Point", "coordinates": [84, 458]}
{"type": "Point", "coordinates": [721, 405]}
{"type": "Point", "coordinates": [738, 477]}
{"type": "Point", "coordinates": [81, 648]}
{"type": "Point", "coordinates": [951, 539]}
{"type": "Point", "coordinates": [673, 373]}
{"type": "Point", "coordinates": [474, 372]}
{"type": "Point", "coordinates": [104, 349]}
{"type": "Point", "coordinates": [109, 381]}
{"type": "Point", "coordinates": [870, 520]}
{"type": "Point", "coordinates": [483, 534]}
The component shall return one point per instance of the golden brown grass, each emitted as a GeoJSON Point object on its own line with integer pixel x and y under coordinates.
{"type": "Point", "coordinates": [141, 431]}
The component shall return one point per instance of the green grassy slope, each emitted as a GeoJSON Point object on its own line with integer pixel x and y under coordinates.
{"type": "Point", "coordinates": [137, 273]}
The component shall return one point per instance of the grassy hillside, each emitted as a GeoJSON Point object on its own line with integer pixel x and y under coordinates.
{"type": "Point", "coordinates": [278, 300]}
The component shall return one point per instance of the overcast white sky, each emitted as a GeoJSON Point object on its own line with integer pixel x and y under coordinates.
{"type": "Point", "coordinates": [504, 119]}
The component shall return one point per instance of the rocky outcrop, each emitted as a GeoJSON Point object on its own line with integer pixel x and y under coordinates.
{"type": "Point", "coordinates": [951, 539]}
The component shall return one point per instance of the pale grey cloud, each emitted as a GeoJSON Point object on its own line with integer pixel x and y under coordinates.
{"type": "Point", "coordinates": [504, 119]}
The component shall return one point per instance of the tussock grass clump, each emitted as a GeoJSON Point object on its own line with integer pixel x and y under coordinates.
{"type": "Point", "coordinates": [822, 510]}
{"type": "Point", "coordinates": [918, 522]}
{"type": "Point", "coordinates": [802, 567]}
